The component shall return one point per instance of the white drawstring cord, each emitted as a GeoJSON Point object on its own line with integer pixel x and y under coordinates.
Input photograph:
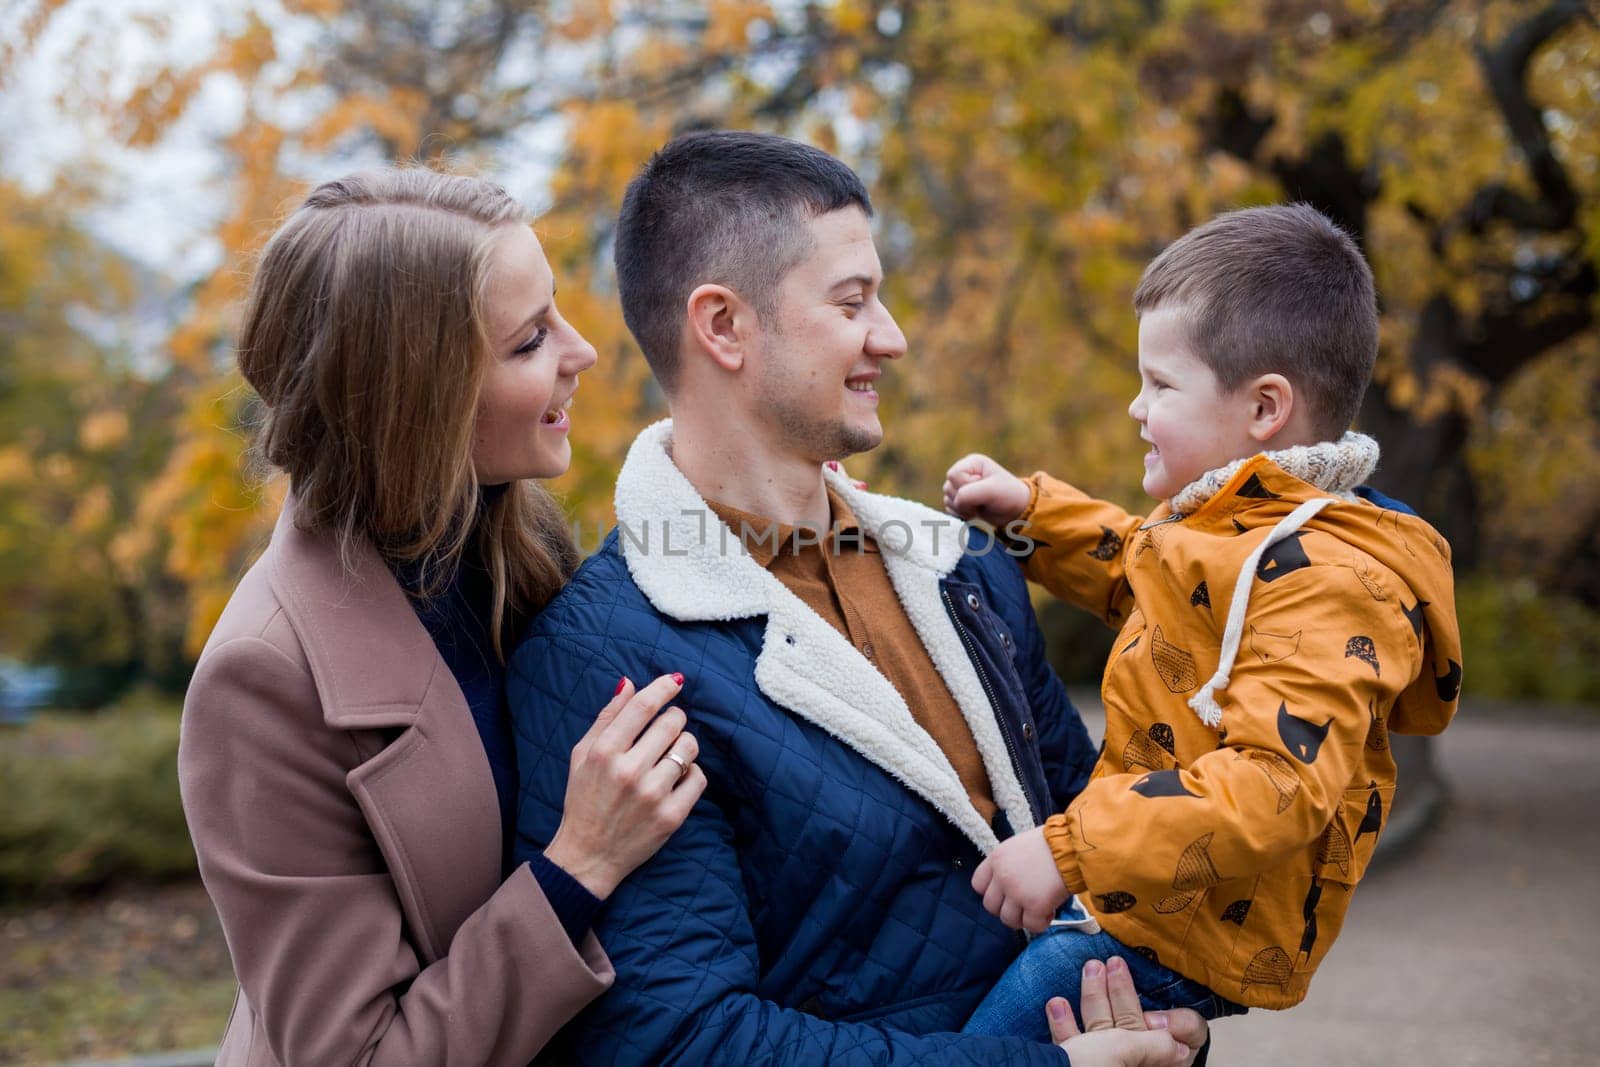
{"type": "Point", "coordinates": [1203, 703]}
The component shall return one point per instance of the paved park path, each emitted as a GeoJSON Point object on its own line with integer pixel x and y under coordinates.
{"type": "Point", "coordinates": [1481, 945]}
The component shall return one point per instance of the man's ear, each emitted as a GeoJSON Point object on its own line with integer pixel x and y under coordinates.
{"type": "Point", "coordinates": [1271, 404]}
{"type": "Point", "coordinates": [722, 324]}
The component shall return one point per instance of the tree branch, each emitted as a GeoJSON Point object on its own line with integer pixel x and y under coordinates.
{"type": "Point", "coordinates": [1505, 67]}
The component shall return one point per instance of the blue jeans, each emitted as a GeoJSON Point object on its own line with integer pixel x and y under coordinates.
{"type": "Point", "coordinates": [1052, 966]}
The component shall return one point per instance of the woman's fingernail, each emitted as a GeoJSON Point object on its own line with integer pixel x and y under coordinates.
{"type": "Point", "coordinates": [620, 684]}
{"type": "Point", "coordinates": [861, 485]}
{"type": "Point", "coordinates": [1093, 969]}
{"type": "Point", "coordinates": [832, 465]}
{"type": "Point", "coordinates": [1057, 1008]}
{"type": "Point", "coordinates": [676, 677]}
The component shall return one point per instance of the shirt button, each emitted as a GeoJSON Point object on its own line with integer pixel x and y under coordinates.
{"type": "Point", "coordinates": [866, 650]}
{"type": "Point", "coordinates": [1027, 731]}
{"type": "Point", "coordinates": [972, 601]}
{"type": "Point", "coordinates": [958, 863]}
{"type": "Point", "coordinates": [1005, 639]}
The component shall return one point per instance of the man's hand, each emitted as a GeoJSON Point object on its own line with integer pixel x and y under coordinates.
{"type": "Point", "coordinates": [1116, 1033]}
{"type": "Point", "coordinates": [978, 486]}
{"type": "Point", "coordinates": [1020, 883]}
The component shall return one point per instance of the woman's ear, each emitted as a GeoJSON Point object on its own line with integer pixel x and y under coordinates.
{"type": "Point", "coordinates": [1271, 405]}
{"type": "Point", "coordinates": [720, 323]}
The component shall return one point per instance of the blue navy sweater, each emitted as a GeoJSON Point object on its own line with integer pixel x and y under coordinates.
{"type": "Point", "coordinates": [457, 620]}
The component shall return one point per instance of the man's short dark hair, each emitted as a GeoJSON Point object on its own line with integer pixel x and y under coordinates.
{"type": "Point", "coordinates": [1275, 290]}
{"type": "Point", "coordinates": [724, 207]}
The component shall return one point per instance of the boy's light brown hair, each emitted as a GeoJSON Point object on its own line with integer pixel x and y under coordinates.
{"type": "Point", "coordinates": [1275, 290]}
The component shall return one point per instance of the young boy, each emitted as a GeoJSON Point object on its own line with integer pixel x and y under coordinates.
{"type": "Point", "coordinates": [1277, 623]}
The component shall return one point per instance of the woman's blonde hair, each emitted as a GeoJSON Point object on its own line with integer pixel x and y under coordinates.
{"type": "Point", "coordinates": [365, 337]}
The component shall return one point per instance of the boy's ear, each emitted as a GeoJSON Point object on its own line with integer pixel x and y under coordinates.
{"type": "Point", "coordinates": [720, 323]}
{"type": "Point", "coordinates": [1271, 404]}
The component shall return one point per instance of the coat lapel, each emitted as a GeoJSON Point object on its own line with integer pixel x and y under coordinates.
{"type": "Point", "coordinates": [693, 568]}
{"type": "Point", "coordinates": [428, 795]}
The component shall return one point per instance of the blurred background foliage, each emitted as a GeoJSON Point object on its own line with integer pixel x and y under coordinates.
{"type": "Point", "coordinates": [1027, 157]}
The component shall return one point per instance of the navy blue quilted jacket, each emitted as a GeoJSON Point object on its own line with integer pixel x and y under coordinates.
{"type": "Point", "coordinates": [815, 907]}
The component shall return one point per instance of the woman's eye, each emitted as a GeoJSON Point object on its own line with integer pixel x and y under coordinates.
{"type": "Point", "coordinates": [533, 342]}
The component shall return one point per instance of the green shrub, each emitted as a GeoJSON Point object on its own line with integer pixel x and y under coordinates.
{"type": "Point", "coordinates": [86, 799]}
{"type": "Point", "coordinates": [1520, 643]}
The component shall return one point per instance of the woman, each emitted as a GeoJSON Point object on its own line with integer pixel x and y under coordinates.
{"type": "Point", "coordinates": [345, 763]}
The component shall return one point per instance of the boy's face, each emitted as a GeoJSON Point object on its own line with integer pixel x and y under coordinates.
{"type": "Point", "coordinates": [1193, 425]}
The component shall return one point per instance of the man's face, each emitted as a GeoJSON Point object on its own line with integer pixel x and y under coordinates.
{"type": "Point", "coordinates": [823, 351]}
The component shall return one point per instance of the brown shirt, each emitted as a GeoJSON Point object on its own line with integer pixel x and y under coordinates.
{"type": "Point", "coordinates": [840, 575]}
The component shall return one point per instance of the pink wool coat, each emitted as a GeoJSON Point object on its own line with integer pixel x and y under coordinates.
{"type": "Point", "coordinates": [349, 835]}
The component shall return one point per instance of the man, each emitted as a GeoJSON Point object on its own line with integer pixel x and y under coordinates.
{"type": "Point", "coordinates": [872, 703]}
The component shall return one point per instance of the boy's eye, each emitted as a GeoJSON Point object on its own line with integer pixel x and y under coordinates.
{"type": "Point", "coordinates": [532, 343]}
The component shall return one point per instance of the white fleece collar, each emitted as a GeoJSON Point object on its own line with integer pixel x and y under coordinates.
{"type": "Point", "coordinates": [1335, 467]}
{"type": "Point", "coordinates": [693, 568]}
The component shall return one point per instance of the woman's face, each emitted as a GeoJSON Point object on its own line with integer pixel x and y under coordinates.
{"type": "Point", "coordinates": [534, 361]}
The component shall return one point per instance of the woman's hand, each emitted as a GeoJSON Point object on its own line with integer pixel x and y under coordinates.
{"type": "Point", "coordinates": [1117, 1033]}
{"type": "Point", "coordinates": [631, 783]}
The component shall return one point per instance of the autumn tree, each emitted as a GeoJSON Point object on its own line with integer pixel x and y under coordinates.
{"type": "Point", "coordinates": [81, 432]}
{"type": "Point", "coordinates": [1027, 160]}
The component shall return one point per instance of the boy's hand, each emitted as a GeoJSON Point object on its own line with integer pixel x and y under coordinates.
{"type": "Point", "coordinates": [1020, 883]}
{"type": "Point", "coordinates": [978, 486]}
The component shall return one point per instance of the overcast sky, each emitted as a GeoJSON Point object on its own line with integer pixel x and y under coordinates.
{"type": "Point", "coordinates": [161, 200]}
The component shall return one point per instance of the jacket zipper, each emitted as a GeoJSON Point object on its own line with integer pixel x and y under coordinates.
{"type": "Point", "coordinates": [994, 706]}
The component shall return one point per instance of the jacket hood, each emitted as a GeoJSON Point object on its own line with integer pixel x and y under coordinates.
{"type": "Point", "coordinates": [1261, 493]}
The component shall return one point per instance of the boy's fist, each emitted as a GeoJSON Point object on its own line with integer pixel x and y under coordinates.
{"type": "Point", "coordinates": [1020, 882]}
{"type": "Point", "coordinates": [978, 486]}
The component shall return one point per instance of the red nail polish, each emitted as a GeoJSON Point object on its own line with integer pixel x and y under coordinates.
{"type": "Point", "coordinates": [861, 485]}
{"type": "Point", "coordinates": [620, 684]}
{"type": "Point", "coordinates": [832, 465]}
{"type": "Point", "coordinates": [676, 677]}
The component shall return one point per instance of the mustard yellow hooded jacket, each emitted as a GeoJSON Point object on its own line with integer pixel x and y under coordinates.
{"type": "Point", "coordinates": [1228, 851]}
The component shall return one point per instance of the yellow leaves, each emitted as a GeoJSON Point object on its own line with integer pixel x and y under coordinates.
{"type": "Point", "coordinates": [103, 430]}
{"type": "Point", "coordinates": [1027, 161]}
{"type": "Point", "coordinates": [16, 467]}
{"type": "Point", "coordinates": [607, 143]}
{"type": "Point", "coordinates": [153, 106]}
{"type": "Point", "coordinates": [93, 509]}
{"type": "Point", "coordinates": [248, 52]}
{"type": "Point", "coordinates": [1403, 388]}
{"type": "Point", "coordinates": [58, 470]}
{"type": "Point", "coordinates": [1537, 446]}
{"type": "Point", "coordinates": [315, 8]}
{"type": "Point", "coordinates": [728, 24]}
{"type": "Point", "coordinates": [584, 20]}
{"type": "Point", "coordinates": [852, 17]}
{"type": "Point", "coordinates": [24, 32]}
{"type": "Point", "coordinates": [129, 550]}
{"type": "Point", "coordinates": [397, 118]}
